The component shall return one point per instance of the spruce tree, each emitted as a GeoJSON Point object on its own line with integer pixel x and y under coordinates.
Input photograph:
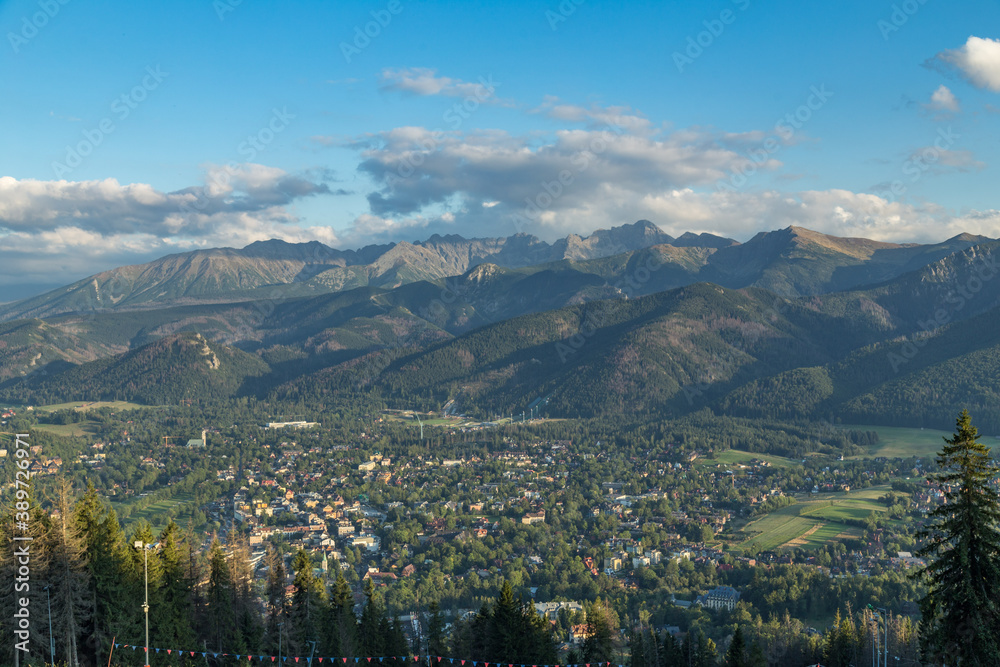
{"type": "Point", "coordinates": [24, 583]}
{"type": "Point", "coordinates": [340, 623]}
{"type": "Point", "coordinates": [671, 651]}
{"type": "Point", "coordinates": [221, 617]}
{"type": "Point", "coordinates": [69, 579]}
{"type": "Point", "coordinates": [305, 611]}
{"type": "Point", "coordinates": [601, 626]}
{"type": "Point", "coordinates": [736, 655]}
{"type": "Point", "coordinates": [637, 650]}
{"type": "Point", "coordinates": [960, 617]}
{"type": "Point", "coordinates": [705, 653]}
{"type": "Point", "coordinates": [171, 619]}
{"type": "Point", "coordinates": [112, 583]}
{"type": "Point", "coordinates": [275, 602]}
{"type": "Point", "coordinates": [372, 626]}
{"type": "Point", "coordinates": [248, 622]}
{"type": "Point", "coordinates": [506, 630]}
{"type": "Point", "coordinates": [435, 631]}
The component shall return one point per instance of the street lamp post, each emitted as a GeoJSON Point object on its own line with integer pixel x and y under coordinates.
{"type": "Point", "coordinates": [52, 641]}
{"type": "Point", "coordinates": [145, 605]}
{"type": "Point", "coordinates": [884, 616]}
{"type": "Point", "coordinates": [279, 641]}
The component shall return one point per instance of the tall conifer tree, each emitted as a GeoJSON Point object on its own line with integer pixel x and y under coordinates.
{"type": "Point", "coordinates": [960, 617]}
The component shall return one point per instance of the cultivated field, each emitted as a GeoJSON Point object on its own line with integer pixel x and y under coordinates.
{"type": "Point", "coordinates": [736, 456]}
{"type": "Point", "coordinates": [814, 521]}
{"type": "Point", "coordinates": [899, 442]}
{"type": "Point", "coordinates": [156, 514]}
{"type": "Point", "coordinates": [79, 429]}
{"type": "Point", "coordinates": [83, 406]}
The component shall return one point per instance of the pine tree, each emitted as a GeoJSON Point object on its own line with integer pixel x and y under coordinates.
{"type": "Point", "coordinates": [112, 583]}
{"type": "Point", "coordinates": [395, 638]}
{"type": "Point", "coordinates": [637, 650]}
{"type": "Point", "coordinates": [599, 645]}
{"type": "Point", "coordinates": [305, 611]}
{"type": "Point", "coordinates": [841, 642]}
{"type": "Point", "coordinates": [671, 652]}
{"type": "Point", "coordinates": [960, 616]}
{"type": "Point", "coordinates": [275, 603]}
{"type": "Point", "coordinates": [506, 630]}
{"type": "Point", "coordinates": [68, 577]}
{"type": "Point", "coordinates": [340, 623]}
{"type": "Point", "coordinates": [371, 627]}
{"type": "Point", "coordinates": [248, 622]}
{"type": "Point", "coordinates": [221, 618]}
{"type": "Point", "coordinates": [171, 619]}
{"type": "Point", "coordinates": [737, 655]}
{"type": "Point", "coordinates": [705, 652]}
{"type": "Point", "coordinates": [27, 582]}
{"type": "Point", "coordinates": [435, 631]}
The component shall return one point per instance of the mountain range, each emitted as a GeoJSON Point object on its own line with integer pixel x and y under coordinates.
{"type": "Point", "coordinates": [792, 324]}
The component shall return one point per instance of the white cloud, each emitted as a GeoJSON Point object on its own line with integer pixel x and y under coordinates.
{"type": "Point", "coordinates": [615, 117]}
{"type": "Point", "coordinates": [415, 168]}
{"type": "Point", "coordinates": [941, 161]}
{"type": "Point", "coordinates": [80, 227]}
{"type": "Point", "coordinates": [978, 60]}
{"type": "Point", "coordinates": [425, 82]}
{"type": "Point", "coordinates": [943, 100]}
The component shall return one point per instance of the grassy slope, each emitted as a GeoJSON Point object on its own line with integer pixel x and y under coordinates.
{"type": "Point", "coordinates": [814, 522]}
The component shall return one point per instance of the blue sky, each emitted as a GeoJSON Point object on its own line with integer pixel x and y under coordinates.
{"type": "Point", "coordinates": [133, 131]}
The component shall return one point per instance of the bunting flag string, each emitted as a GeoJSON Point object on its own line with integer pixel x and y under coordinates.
{"type": "Point", "coordinates": [435, 660]}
